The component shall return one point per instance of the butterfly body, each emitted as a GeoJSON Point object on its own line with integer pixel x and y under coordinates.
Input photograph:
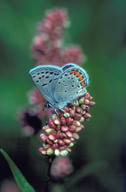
{"type": "Point", "coordinates": [60, 85]}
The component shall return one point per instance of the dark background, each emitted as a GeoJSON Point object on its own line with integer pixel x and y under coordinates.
{"type": "Point", "coordinates": [99, 156]}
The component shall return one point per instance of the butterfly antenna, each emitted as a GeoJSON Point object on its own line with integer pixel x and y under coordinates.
{"type": "Point", "coordinates": [43, 108]}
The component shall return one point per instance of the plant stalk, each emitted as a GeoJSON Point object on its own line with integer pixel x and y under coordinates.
{"type": "Point", "coordinates": [50, 160]}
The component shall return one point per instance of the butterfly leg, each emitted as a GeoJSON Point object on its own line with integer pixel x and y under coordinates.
{"type": "Point", "coordinates": [60, 110]}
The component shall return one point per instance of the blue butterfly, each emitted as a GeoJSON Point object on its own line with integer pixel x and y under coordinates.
{"type": "Point", "coordinates": [60, 85]}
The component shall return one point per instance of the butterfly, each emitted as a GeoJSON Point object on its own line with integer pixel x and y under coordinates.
{"type": "Point", "coordinates": [60, 85]}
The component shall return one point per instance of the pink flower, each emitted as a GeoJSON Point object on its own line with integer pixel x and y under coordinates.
{"type": "Point", "coordinates": [61, 167]}
{"type": "Point", "coordinates": [35, 97]}
{"type": "Point", "coordinates": [54, 23]}
{"type": "Point", "coordinates": [9, 185]}
{"type": "Point", "coordinates": [73, 54]}
{"type": "Point", "coordinates": [38, 101]}
{"type": "Point", "coordinates": [61, 132]}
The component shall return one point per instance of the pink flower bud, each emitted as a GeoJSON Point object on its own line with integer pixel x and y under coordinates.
{"type": "Point", "coordinates": [86, 101]}
{"type": "Point", "coordinates": [85, 107]}
{"type": "Point", "coordinates": [78, 129]}
{"type": "Point", "coordinates": [58, 134]}
{"type": "Point", "coordinates": [69, 134]}
{"type": "Point", "coordinates": [68, 149]}
{"type": "Point", "coordinates": [49, 142]}
{"type": "Point", "coordinates": [52, 137]}
{"type": "Point", "coordinates": [64, 128]}
{"type": "Point", "coordinates": [55, 146]}
{"type": "Point", "coordinates": [81, 101]}
{"type": "Point", "coordinates": [62, 147]}
{"type": "Point", "coordinates": [67, 141]}
{"type": "Point", "coordinates": [87, 95]}
{"type": "Point", "coordinates": [57, 122]}
{"type": "Point", "coordinates": [42, 151]}
{"type": "Point", "coordinates": [83, 113]}
{"type": "Point", "coordinates": [60, 142]}
{"type": "Point", "coordinates": [91, 103]}
{"type": "Point", "coordinates": [51, 123]}
{"type": "Point", "coordinates": [82, 127]}
{"type": "Point", "coordinates": [54, 117]}
{"type": "Point", "coordinates": [57, 152]}
{"type": "Point", "coordinates": [72, 128]}
{"type": "Point", "coordinates": [50, 131]}
{"type": "Point", "coordinates": [90, 98]}
{"type": "Point", "coordinates": [87, 115]}
{"type": "Point", "coordinates": [46, 147]}
{"type": "Point", "coordinates": [72, 112]}
{"type": "Point", "coordinates": [63, 120]}
{"type": "Point", "coordinates": [69, 121]}
{"type": "Point", "coordinates": [62, 135]}
{"type": "Point", "coordinates": [66, 115]}
{"type": "Point", "coordinates": [75, 136]}
{"type": "Point", "coordinates": [77, 123]}
{"type": "Point", "coordinates": [46, 127]}
{"type": "Point", "coordinates": [43, 137]}
{"type": "Point", "coordinates": [79, 110]}
{"type": "Point", "coordinates": [71, 144]}
{"type": "Point", "coordinates": [49, 151]}
{"type": "Point", "coordinates": [77, 116]}
{"type": "Point", "coordinates": [82, 119]}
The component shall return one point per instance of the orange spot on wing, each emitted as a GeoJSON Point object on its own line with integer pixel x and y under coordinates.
{"type": "Point", "coordinates": [83, 85]}
{"type": "Point", "coordinates": [78, 75]}
{"type": "Point", "coordinates": [75, 72]}
{"type": "Point", "coordinates": [81, 79]}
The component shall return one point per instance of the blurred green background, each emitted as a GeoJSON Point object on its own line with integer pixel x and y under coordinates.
{"type": "Point", "coordinates": [99, 156]}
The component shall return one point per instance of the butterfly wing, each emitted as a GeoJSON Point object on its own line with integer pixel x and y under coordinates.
{"type": "Point", "coordinates": [45, 77]}
{"type": "Point", "coordinates": [71, 83]}
{"type": "Point", "coordinates": [67, 66]}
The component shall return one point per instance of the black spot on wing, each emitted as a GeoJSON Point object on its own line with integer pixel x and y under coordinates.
{"type": "Point", "coordinates": [44, 84]}
{"type": "Point", "coordinates": [50, 81]}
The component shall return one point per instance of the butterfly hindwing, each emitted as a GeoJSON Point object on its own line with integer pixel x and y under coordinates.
{"type": "Point", "coordinates": [71, 84]}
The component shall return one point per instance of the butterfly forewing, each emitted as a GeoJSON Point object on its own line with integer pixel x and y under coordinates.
{"type": "Point", "coordinates": [45, 79]}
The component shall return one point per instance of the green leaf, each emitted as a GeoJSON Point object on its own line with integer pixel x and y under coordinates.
{"type": "Point", "coordinates": [20, 179]}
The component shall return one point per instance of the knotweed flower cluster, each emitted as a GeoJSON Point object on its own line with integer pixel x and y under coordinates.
{"type": "Point", "coordinates": [62, 130]}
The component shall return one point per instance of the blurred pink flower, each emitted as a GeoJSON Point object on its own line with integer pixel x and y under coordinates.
{"type": "Point", "coordinates": [61, 167]}
{"type": "Point", "coordinates": [54, 23]}
{"type": "Point", "coordinates": [35, 97]}
{"type": "Point", "coordinates": [73, 54]}
{"type": "Point", "coordinates": [48, 46]}
{"type": "Point", "coordinates": [9, 186]}
{"type": "Point", "coordinates": [38, 102]}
